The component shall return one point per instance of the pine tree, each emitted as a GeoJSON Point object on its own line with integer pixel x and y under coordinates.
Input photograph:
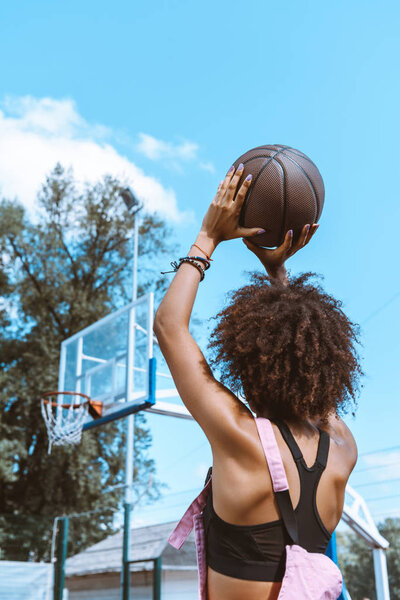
{"type": "Point", "coordinates": [61, 269]}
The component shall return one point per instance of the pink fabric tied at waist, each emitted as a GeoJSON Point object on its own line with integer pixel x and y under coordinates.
{"type": "Point", "coordinates": [185, 525]}
{"type": "Point", "coordinates": [193, 517]}
{"type": "Point", "coordinates": [309, 576]}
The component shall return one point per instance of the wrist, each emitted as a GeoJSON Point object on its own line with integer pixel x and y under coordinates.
{"type": "Point", "coordinates": [278, 273]}
{"type": "Point", "coordinates": [205, 242]}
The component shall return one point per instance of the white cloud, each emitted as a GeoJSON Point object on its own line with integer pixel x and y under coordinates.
{"type": "Point", "coordinates": [35, 134]}
{"type": "Point", "coordinates": [172, 154]}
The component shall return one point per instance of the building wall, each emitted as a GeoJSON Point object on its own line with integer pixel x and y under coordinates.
{"type": "Point", "coordinates": [106, 586]}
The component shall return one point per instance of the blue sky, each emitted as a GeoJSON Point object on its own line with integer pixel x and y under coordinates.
{"type": "Point", "coordinates": [168, 94]}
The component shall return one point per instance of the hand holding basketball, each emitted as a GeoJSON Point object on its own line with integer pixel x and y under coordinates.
{"type": "Point", "coordinates": [274, 260]}
{"type": "Point", "coordinates": [221, 221]}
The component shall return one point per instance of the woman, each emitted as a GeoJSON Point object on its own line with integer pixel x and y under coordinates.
{"type": "Point", "coordinates": [287, 347]}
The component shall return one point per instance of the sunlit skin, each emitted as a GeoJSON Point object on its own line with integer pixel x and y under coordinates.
{"type": "Point", "coordinates": [242, 490]}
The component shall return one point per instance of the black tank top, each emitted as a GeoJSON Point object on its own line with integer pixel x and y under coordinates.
{"type": "Point", "coordinates": [257, 552]}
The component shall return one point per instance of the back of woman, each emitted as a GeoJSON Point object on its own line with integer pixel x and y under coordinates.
{"type": "Point", "coordinates": [286, 354]}
{"type": "Point", "coordinates": [254, 506]}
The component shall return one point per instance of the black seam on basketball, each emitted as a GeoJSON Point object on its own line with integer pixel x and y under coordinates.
{"type": "Point", "coordinates": [263, 156]}
{"type": "Point", "coordinates": [282, 233]}
{"type": "Point", "coordinates": [311, 183]}
{"type": "Point", "coordinates": [247, 198]}
{"type": "Point", "coordinates": [298, 153]}
{"type": "Point", "coordinates": [283, 148]}
{"type": "Point", "coordinates": [258, 156]}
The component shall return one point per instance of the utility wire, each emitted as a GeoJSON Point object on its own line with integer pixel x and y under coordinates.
{"type": "Point", "coordinates": [382, 450]}
{"type": "Point", "coordinates": [374, 467]}
{"type": "Point", "coordinates": [381, 482]}
{"type": "Point", "coordinates": [381, 498]}
{"type": "Point", "coordinates": [381, 308]}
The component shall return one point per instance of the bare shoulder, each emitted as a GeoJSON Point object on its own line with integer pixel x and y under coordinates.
{"type": "Point", "coordinates": [343, 439]}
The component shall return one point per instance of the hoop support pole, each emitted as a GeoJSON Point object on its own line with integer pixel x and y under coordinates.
{"type": "Point", "coordinates": [125, 574]}
{"type": "Point", "coordinates": [61, 553]}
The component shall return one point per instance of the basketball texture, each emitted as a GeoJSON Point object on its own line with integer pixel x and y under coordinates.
{"type": "Point", "coordinates": [286, 192]}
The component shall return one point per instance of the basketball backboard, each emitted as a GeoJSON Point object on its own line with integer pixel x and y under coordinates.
{"type": "Point", "coordinates": [117, 361]}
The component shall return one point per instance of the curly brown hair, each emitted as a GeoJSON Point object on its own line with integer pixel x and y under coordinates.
{"type": "Point", "coordinates": [289, 350]}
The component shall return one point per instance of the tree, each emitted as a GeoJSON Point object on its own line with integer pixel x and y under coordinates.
{"type": "Point", "coordinates": [61, 270]}
{"type": "Point", "coordinates": [356, 562]}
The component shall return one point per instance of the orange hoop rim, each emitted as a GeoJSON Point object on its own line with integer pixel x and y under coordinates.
{"type": "Point", "coordinates": [46, 395]}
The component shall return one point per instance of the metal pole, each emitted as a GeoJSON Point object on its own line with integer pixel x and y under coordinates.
{"type": "Point", "coordinates": [381, 574]}
{"type": "Point", "coordinates": [61, 554]}
{"type": "Point", "coordinates": [331, 551]}
{"type": "Point", "coordinates": [157, 577]}
{"type": "Point", "coordinates": [135, 256]}
{"type": "Point", "coordinates": [126, 584]}
{"type": "Point", "coordinates": [130, 426]}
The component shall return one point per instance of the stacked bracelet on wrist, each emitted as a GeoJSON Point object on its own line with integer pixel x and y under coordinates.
{"type": "Point", "coordinates": [191, 260]}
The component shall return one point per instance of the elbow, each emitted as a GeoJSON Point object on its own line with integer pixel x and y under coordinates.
{"type": "Point", "coordinates": [164, 325]}
{"type": "Point", "coordinates": [161, 324]}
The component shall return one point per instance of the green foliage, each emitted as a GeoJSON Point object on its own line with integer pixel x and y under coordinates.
{"type": "Point", "coordinates": [61, 269]}
{"type": "Point", "coordinates": [356, 562]}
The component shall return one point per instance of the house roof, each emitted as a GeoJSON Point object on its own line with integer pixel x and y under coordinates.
{"type": "Point", "coordinates": [147, 543]}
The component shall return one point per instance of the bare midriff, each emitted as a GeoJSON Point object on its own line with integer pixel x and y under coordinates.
{"type": "Point", "coordinates": [222, 587]}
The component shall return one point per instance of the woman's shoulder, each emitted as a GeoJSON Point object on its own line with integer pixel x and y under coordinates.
{"type": "Point", "coordinates": [342, 439]}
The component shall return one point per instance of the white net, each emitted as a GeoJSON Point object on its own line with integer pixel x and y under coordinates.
{"type": "Point", "coordinates": [64, 422]}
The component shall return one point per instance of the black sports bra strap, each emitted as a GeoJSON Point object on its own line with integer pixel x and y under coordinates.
{"type": "Point", "coordinates": [287, 514]}
{"type": "Point", "coordinates": [289, 439]}
{"type": "Point", "coordinates": [323, 448]}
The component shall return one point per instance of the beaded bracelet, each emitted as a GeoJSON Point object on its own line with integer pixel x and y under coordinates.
{"type": "Point", "coordinates": [205, 261]}
{"type": "Point", "coordinates": [192, 261]}
{"type": "Point", "coordinates": [198, 266]}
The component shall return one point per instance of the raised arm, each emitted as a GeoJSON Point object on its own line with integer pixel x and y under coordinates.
{"type": "Point", "coordinates": [214, 407]}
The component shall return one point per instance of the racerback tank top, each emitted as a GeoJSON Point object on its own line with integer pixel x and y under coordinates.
{"type": "Point", "coordinates": [257, 552]}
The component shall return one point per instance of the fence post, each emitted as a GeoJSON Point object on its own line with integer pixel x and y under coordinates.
{"type": "Point", "coordinates": [157, 573]}
{"type": "Point", "coordinates": [61, 555]}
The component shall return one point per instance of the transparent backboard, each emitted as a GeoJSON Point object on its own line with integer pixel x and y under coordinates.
{"type": "Point", "coordinates": [117, 361]}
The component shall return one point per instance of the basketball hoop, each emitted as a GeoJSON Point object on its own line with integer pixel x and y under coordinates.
{"type": "Point", "coordinates": [65, 421]}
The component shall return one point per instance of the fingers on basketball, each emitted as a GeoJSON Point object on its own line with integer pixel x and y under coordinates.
{"type": "Point", "coordinates": [232, 186]}
{"type": "Point", "coordinates": [241, 195]}
{"type": "Point", "coordinates": [288, 241]}
{"type": "Point", "coordinates": [225, 183]}
{"type": "Point", "coordinates": [313, 229]}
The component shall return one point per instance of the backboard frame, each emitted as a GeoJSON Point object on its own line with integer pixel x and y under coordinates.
{"type": "Point", "coordinates": [124, 400]}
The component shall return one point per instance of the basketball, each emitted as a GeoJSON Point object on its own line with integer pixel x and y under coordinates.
{"type": "Point", "coordinates": [287, 192]}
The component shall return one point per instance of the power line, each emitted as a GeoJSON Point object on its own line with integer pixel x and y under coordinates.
{"type": "Point", "coordinates": [381, 466]}
{"type": "Point", "coordinates": [369, 483]}
{"type": "Point", "coordinates": [160, 508]}
{"type": "Point", "coordinates": [382, 450]}
{"type": "Point", "coordinates": [395, 512]}
{"type": "Point", "coordinates": [378, 310]}
{"type": "Point", "coordinates": [182, 458]}
{"type": "Point", "coordinates": [381, 498]}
